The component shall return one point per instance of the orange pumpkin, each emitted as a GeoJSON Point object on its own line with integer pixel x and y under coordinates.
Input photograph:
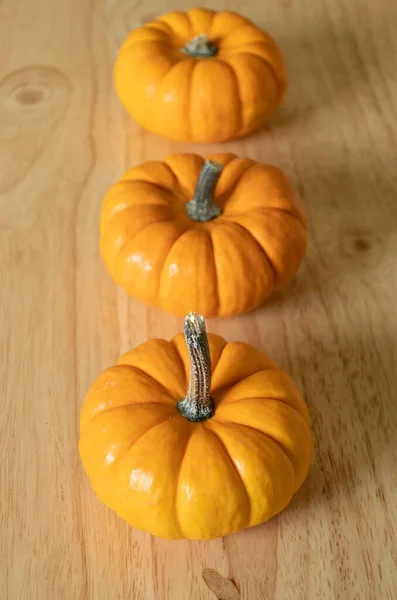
{"type": "Point", "coordinates": [216, 236]}
{"type": "Point", "coordinates": [195, 441]}
{"type": "Point", "coordinates": [200, 76]}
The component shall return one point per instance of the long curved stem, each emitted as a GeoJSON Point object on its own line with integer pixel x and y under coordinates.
{"type": "Point", "coordinates": [197, 405]}
{"type": "Point", "coordinates": [202, 208]}
{"type": "Point", "coordinates": [200, 47]}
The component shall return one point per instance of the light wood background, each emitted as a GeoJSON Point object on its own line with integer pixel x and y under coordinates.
{"type": "Point", "coordinates": [64, 141]}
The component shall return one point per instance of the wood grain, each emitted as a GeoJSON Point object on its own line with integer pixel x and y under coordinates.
{"type": "Point", "coordinates": [64, 141]}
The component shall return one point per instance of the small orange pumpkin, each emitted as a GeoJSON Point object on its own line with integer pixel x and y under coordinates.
{"type": "Point", "coordinates": [200, 76]}
{"type": "Point", "coordinates": [216, 236]}
{"type": "Point", "coordinates": [197, 440]}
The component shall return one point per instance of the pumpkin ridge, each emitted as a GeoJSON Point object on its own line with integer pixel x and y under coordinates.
{"type": "Point", "coordinates": [189, 103]}
{"type": "Point", "coordinates": [175, 27]}
{"type": "Point", "coordinates": [236, 184]}
{"type": "Point", "coordinates": [115, 211]}
{"type": "Point", "coordinates": [242, 25]}
{"type": "Point", "coordinates": [280, 88]}
{"type": "Point", "coordinates": [123, 245]}
{"type": "Point", "coordinates": [262, 209]}
{"type": "Point", "coordinates": [157, 96]}
{"type": "Point", "coordinates": [236, 80]}
{"type": "Point", "coordinates": [155, 184]}
{"type": "Point", "coordinates": [190, 118]}
{"type": "Point", "coordinates": [240, 47]}
{"type": "Point", "coordinates": [145, 229]}
{"type": "Point", "coordinates": [264, 399]}
{"type": "Point", "coordinates": [218, 302]}
{"type": "Point", "coordinates": [297, 216]}
{"type": "Point", "coordinates": [127, 241]}
{"type": "Point", "coordinates": [152, 56]}
{"type": "Point", "coordinates": [223, 158]}
{"type": "Point", "coordinates": [166, 38]}
{"type": "Point", "coordinates": [150, 379]}
{"type": "Point", "coordinates": [157, 206]}
{"type": "Point", "coordinates": [228, 455]}
{"type": "Point", "coordinates": [172, 172]}
{"type": "Point", "coordinates": [153, 25]}
{"type": "Point", "coordinates": [133, 404]}
{"type": "Point", "coordinates": [221, 14]}
{"type": "Point", "coordinates": [223, 198]}
{"type": "Point", "coordinates": [129, 45]}
{"type": "Point", "coordinates": [185, 192]}
{"type": "Point", "coordinates": [178, 482]}
{"type": "Point", "coordinates": [121, 458]}
{"type": "Point", "coordinates": [190, 21]}
{"type": "Point", "coordinates": [271, 266]}
{"type": "Point", "coordinates": [213, 368]}
{"type": "Point", "coordinates": [128, 176]}
{"type": "Point", "coordinates": [225, 387]}
{"type": "Point", "coordinates": [285, 450]}
{"type": "Point", "coordinates": [165, 260]}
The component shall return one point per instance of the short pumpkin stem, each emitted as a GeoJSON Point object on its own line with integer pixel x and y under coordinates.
{"type": "Point", "coordinates": [197, 405]}
{"type": "Point", "coordinates": [202, 207]}
{"type": "Point", "coordinates": [200, 47]}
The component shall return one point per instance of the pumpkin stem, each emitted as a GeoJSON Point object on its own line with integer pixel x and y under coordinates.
{"type": "Point", "coordinates": [197, 405]}
{"type": "Point", "coordinates": [202, 207]}
{"type": "Point", "coordinates": [200, 47]}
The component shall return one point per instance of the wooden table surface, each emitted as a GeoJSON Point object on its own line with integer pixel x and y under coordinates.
{"type": "Point", "coordinates": [64, 141]}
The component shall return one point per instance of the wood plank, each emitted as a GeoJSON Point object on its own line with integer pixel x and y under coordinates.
{"type": "Point", "coordinates": [64, 140]}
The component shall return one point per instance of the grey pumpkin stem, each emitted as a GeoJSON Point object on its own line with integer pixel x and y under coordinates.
{"type": "Point", "coordinates": [202, 208]}
{"type": "Point", "coordinates": [197, 405]}
{"type": "Point", "coordinates": [200, 47]}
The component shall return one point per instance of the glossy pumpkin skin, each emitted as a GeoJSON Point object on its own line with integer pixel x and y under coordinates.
{"type": "Point", "coordinates": [177, 479]}
{"type": "Point", "coordinates": [223, 267]}
{"type": "Point", "coordinates": [195, 99]}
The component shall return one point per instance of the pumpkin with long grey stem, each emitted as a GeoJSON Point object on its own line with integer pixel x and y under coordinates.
{"type": "Point", "coordinates": [195, 438]}
{"type": "Point", "coordinates": [200, 76]}
{"type": "Point", "coordinates": [216, 236]}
